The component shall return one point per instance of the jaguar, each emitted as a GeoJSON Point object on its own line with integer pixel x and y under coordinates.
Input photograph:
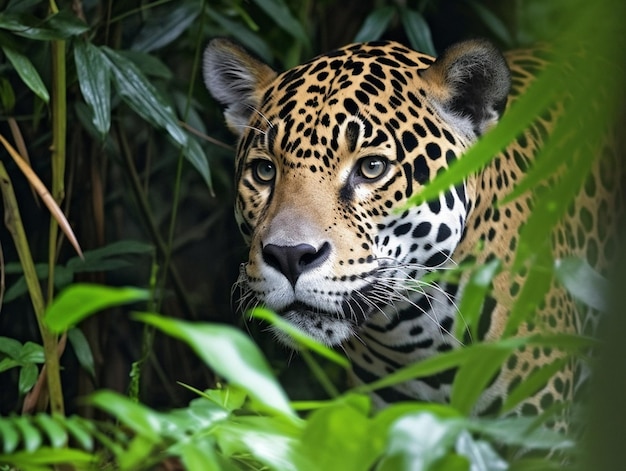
{"type": "Point", "coordinates": [329, 154]}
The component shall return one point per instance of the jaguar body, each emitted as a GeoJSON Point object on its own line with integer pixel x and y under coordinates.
{"type": "Point", "coordinates": [330, 152]}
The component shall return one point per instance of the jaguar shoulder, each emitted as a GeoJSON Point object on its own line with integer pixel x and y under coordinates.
{"type": "Point", "coordinates": [329, 150]}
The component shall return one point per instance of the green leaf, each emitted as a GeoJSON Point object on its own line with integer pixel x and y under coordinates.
{"type": "Point", "coordinates": [474, 295]}
{"type": "Point", "coordinates": [230, 354]}
{"type": "Point", "coordinates": [31, 438]}
{"type": "Point", "coordinates": [516, 118]}
{"type": "Point", "coordinates": [45, 456]}
{"type": "Point", "coordinates": [418, 441]}
{"type": "Point", "coordinates": [340, 436]}
{"type": "Point", "coordinates": [536, 285]}
{"type": "Point", "coordinates": [418, 31]}
{"type": "Point", "coordinates": [268, 440]}
{"type": "Point", "coordinates": [10, 347]}
{"type": "Point", "coordinates": [7, 95]}
{"type": "Point", "coordinates": [80, 300]}
{"type": "Point", "coordinates": [439, 363]}
{"type": "Point", "coordinates": [61, 25]}
{"type": "Point", "coordinates": [482, 362]}
{"type": "Point", "coordinates": [7, 364]}
{"type": "Point", "coordinates": [27, 72]}
{"type": "Point", "coordinates": [246, 37]}
{"type": "Point", "coordinates": [95, 260]}
{"type": "Point", "coordinates": [198, 455]}
{"type": "Point", "coordinates": [94, 79]}
{"type": "Point", "coordinates": [31, 353]}
{"type": "Point", "coordinates": [79, 430]}
{"type": "Point", "coordinates": [149, 64]}
{"type": "Point", "coordinates": [56, 433]}
{"type": "Point", "coordinates": [9, 435]}
{"type": "Point", "coordinates": [583, 282]}
{"type": "Point", "coordinates": [300, 337]}
{"type": "Point", "coordinates": [27, 378]}
{"type": "Point", "coordinates": [375, 24]}
{"type": "Point", "coordinates": [479, 454]}
{"type": "Point", "coordinates": [533, 383]}
{"type": "Point", "coordinates": [496, 25]}
{"type": "Point", "coordinates": [167, 25]}
{"type": "Point", "coordinates": [521, 432]}
{"type": "Point", "coordinates": [143, 97]}
{"type": "Point", "coordinates": [82, 350]}
{"type": "Point", "coordinates": [279, 12]}
{"type": "Point", "coordinates": [139, 418]}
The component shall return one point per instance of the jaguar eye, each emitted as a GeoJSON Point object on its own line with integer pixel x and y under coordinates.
{"type": "Point", "coordinates": [263, 171]}
{"type": "Point", "coordinates": [371, 168]}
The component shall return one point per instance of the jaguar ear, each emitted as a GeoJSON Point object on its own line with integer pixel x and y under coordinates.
{"type": "Point", "coordinates": [235, 79]}
{"type": "Point", "coordinates": [470, 82]}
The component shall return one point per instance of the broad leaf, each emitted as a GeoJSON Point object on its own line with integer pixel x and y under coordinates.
{"type": "Point", "coordinates": [375, 24]}
{"type": "Point", "coordinates": [144, 98]}
{"type": "Point", "coordinates": [167, 25]}
{"type": "Point", "coordinates": [81, 300]}
{"type": "Point", "coordinates": [94, 78]}
{"type": "Point", "coordinates": [231, 354]}
{"type": "Point", "coordinates": [27, 72]}
{"type": "Point", "coordinates": [583, 282]}
{"type": "Point", "coordinates": [418, 31]}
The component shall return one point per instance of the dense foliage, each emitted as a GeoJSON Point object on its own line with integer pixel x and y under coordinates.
{"type": "Point", "coordinates": [104, 119]}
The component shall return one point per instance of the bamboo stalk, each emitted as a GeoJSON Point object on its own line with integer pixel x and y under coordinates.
{"type": "Point", "coordinates": [13, 222]}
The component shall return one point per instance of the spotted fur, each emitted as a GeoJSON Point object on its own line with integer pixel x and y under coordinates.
{"type": "Point", "coordinates": [329, 150]}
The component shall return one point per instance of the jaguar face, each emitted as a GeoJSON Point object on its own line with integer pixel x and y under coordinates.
{"type": "Point", "coordinates": [330, 152]}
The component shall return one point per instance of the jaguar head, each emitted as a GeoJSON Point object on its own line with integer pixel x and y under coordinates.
{"type": "Point", "coordinates": [330, 151]}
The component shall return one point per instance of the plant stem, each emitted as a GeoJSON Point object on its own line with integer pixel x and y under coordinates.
{"type": "Point", "coordinates": [13, 222]}
{"type": "Point", "coordinates": [59, 128]}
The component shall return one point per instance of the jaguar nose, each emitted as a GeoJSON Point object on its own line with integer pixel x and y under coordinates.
{"type": "Point", "coordinates": [293, 260]}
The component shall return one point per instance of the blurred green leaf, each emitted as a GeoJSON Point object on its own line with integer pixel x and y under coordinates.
{"type": "Point", "coordinates": [27, 72]}
{"type": "Point", "coordinates": [267, 440]}
{"type": "Point", "coordinates": [94, 79]}
{"type": "Point", "coordinates": [31, 438]}
{"type": "Point", "coordinates": [198, 455]}
{"type": "Point", "coordinates": [45, 456]}
{"type": "Point", "coordinates": [242, 34]}
{"type": "Point", "coordinates": [497, 27]}
{"type": "Point", "coordinates": [479, 454]}
{"type": "Point", "coordinates": [82, 350]}
{"type": "Point", "coordinates": [535, 381]}
{"type": "Point", "coordinates": [418, 441]}
{"type": "Point", "coordinates": [278, 11]}
{"type": "Point", "coordinates": [143, 97]}
{"type": "Point", "coordinates": [536, 285]}
{"type": "Point", "coordinates": [583, 282]}
{"type": "Point", "coordinates": [474, 295]}
{"type": "Point", "coordinates": [300, 337]}
{"type": "Point", "coordinates": [375, 24]}
{"type": "Point", "coordinates": [57, 436]}
{"type": "Point", "coordinates": [230, 354]}
{"type": "Point", "coordinates": [167, 25]}
{"type": "Point", "coordinates": [418, 31]}
{"type": "Point", "coordinates": [80, 300]}
{"type": "Point", "coordinates": [483, 361]}
{"type": "Point", "coordinates": [137, 417]}
{"type": "Point", "coordinates": [77, 428]}
{"type": "Point", "coordinates": [342, 438]}
{"type": "Point", "coordinates": [9, 434]}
